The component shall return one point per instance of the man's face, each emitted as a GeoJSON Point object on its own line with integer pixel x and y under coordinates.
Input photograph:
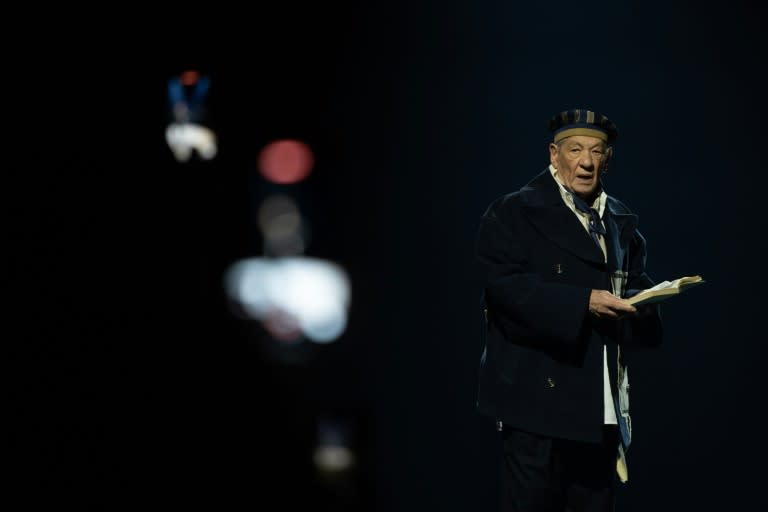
{"type": "Point", "coordinates": [580, 161]}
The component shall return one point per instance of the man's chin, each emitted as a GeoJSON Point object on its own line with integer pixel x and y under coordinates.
{"type": "Point", "coordinates": [585, 192]}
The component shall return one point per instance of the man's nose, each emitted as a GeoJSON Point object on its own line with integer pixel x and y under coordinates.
{"type": "Point", "coordinates": [586, 161]}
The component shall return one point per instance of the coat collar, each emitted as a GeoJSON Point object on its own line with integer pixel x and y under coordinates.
{"type": "Point", "coordinates": [545, 208]}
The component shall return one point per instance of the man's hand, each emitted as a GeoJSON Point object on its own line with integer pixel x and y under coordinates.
{"type": "Point", "coordinates": [603, 304]}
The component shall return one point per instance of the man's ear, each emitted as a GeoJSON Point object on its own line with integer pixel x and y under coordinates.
{"type": "Point", "coordinates": [553, 154]}
{"type": "Point", "coordinates": [608, 157]}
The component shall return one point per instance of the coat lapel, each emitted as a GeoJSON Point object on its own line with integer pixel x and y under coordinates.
{"type": "Point", "coordinates": [545, 208]}
{"type": "Point", "coordinates": [619, 228]}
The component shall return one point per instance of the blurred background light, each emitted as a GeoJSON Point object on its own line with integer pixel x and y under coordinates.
{"type": "Point", "coordinates": [184, 138]}
{"type": "Point", "coordinates": [186, 134]}
{"type": "Point", "coordinates": [333, 453]}
{"type": "Point", "coordinates": [307, 293]}
{"type": "Point", "coordinates": [189, 78]}
{"type": "Point", "coordinates": [281, 226]}
{"type": "Point", "coordinates": [333, 458]}
{"type": "Point", "coordinates": [187, 93]}
{"type": "Point", "coordinates": [285, 161]}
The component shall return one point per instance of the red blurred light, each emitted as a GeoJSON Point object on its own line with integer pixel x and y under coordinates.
{"type": "Point", "coordinates": [189, 78]}
{"type": "Point", "coordinates": [286, 161]}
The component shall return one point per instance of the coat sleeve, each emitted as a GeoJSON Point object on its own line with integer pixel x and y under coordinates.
{"type": "Point", "coordinates": [526, 308]}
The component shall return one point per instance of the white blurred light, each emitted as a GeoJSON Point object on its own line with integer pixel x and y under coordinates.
{"type": "Point", "coordinates": [332, 451]}
{"type": "Point", "coordinates": [314, 293]}
{"type": "Point", "coordinates": [333, 458]}
{"type": "Point", "coordinates": [183, 138]}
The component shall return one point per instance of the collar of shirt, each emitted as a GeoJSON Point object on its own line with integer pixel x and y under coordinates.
{"type": "Point", "coordinates": [598, 205]}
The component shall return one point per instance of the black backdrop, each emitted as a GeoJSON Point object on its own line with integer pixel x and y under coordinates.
{"type": "Point", "coordinates": [131, 381]}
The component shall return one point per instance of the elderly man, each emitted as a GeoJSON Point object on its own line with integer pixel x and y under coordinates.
{"type": "Point", "coordinates": [560, 256]}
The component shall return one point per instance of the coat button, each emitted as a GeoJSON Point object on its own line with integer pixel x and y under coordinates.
{"type": "Point", "coordinates": [558, 268]}
{"type": "Point", "coordinates": [550, 382]}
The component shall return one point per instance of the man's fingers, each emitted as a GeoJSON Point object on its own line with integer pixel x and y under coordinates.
{"type": "Point", "coordinates": [629, 308]}
{"type": "Point", "coordinates": [604, 304]}
{"type": "Point", "coordinates": [620, 305]}
{"type": "Point", "coordinates": [603, 312]}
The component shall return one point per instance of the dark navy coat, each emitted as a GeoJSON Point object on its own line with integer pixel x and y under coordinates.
{"type": "Point", "coordinates": [541, 368]}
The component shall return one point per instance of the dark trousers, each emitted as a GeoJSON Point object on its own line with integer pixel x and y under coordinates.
{"type": "Point", "coordinates": [542, 474]}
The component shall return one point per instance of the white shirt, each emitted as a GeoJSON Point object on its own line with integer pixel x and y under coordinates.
{"type": "Point", "coordinates": [599, 205]}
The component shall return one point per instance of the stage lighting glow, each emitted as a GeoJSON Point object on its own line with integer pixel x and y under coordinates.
{"type": "Point", "coordinates": [279, 215]}
{"type": "Point", "coordinates": [184, 138]}
{"type": "Point", "coordinates": [333, 458]}
{"type": "Point", "coordinates": [313, 293]}
{"type": "Point", "coordinates": [186, 133]}
{"type": "Point", "coordinates": [189, 78]}
{"type": "Point", "coordinates": [332, 451]}
{"type": "Point", "coordinates": [281, 224]}
{"type": "Point", "coordinates": [285, 161]}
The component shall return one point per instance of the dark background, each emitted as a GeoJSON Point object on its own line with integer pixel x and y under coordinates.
{"type": "Point", "coordinates": [131, 381]}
